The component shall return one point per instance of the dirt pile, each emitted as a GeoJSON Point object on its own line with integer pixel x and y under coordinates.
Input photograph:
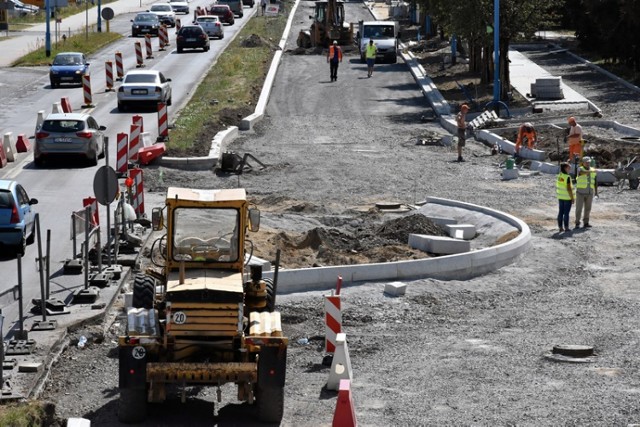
{"type": "Point", "coordinates": [255, 40]}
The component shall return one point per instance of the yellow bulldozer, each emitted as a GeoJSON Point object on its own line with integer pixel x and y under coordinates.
{"type": "Point", "coordinates": [328, 25]}
{"type": "Point", "coordinates": [203, 315]}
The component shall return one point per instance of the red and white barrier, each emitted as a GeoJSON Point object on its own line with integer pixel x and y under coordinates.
{"type": "Point", "coordinates": [3, 156]}
{"type": "Point", "coordinates": [108, 71]}
{"type": "Point", "coordinates": [119, 66]}
{"type": "Point", "coordinates": [66, 105]}
{"type": "Point", "coordinates": [22, 144]}
{"type": "Point", "coordinates": [138, 120]}
{"type": "Point", "coordinates": [39, 121]}
{"type": "Point", "coordinates": [7, 151]}
{"type": "Point", "coordinates": [163, 125]}
{"type": "Point", "coordinates": [163, 36]}
{"type": "Point", "coordinates": [135, 142]}
{"type": "Point", "coordinates": [340, 364]}
{"type": "Point", "coordinates": [333, 321]}
{"type": "Point", "coordinates": [139, 59]}
{"type": "Point", "coordinates": [95, 214]}
{"type": "Point", "coordinates": [345, 414]}
{"type": "Point", "coordinates": [86, 91]}
{"type": "Point", "coordinates": [122, 156]}
{"type": "Point", "coordinates": [138, 190]}
{"type": "Point", "coordinates": [147, 45]}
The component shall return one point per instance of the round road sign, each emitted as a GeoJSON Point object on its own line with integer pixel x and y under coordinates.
{"type": "Point", "coordinates": [107, 13]}
{"type": "Point", "coordinates": [105, 185]}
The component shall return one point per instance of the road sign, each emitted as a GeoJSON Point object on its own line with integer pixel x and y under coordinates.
{"type": "Point", "coordinates": [105, 185]}
{"type": "Point", "coordinates": [107, 13]}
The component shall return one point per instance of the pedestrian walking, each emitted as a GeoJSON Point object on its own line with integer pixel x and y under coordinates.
{"type": "Point", "coordinates": [564, 191]}
{"type": "Point", "coordinates": [575, 138]}
{"type": "Point", "coordinates": [370, 55]}
{"type": "Point", "coordinates": [263, 5]}
{"type": "Point", "coordinates": [586, 190]}
{"type": "Point", "coordinates": [526, 135]}
{"type": "Point", "coordinates": [461, 122]}
{"type": "Point", "coordinates": [334, 58]}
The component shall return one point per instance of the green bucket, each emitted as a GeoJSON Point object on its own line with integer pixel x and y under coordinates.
{"type": "Point", "coordinates": [510, 163]}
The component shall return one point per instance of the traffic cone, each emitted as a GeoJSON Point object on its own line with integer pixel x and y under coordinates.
{"type": "Point", "coordinates": [345, 414]}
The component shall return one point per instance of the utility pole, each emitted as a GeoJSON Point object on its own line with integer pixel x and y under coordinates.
{"type": "Point", "coordinates": [47, 37]}
{"type": "Point", "coordinates": [496, 50]}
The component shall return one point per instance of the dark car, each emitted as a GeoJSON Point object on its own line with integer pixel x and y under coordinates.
{"type": "Point", "coordinates": [145, 23]}
{"type": "Point", "coordinates": [249, 3]}
{"type": "Point", "coordinates": [17, 225]}
{"type": "Point", "coordinates": [68, 67]}
{"type": "Point", "coordinates": [223, 12]}
{"type": "Point", "coordinates": [192, 37]}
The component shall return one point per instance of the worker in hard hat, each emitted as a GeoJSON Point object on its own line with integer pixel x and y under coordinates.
{"type": "Point", "coordinates": [526, 134]}
{"type": "Point", "coordinates": [586, 190]}
{"type": "Point", "coordinates": [576, 142]}
{"type": "Point", "coordinates": [334, 57]}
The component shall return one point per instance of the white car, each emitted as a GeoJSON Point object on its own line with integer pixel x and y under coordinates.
{"type": "Point", "coordinates": [179, 6]}
{"type": "Point", "coordinates": [211, 25]}
{"type": "Point", "coordinates": [144, 87]}
{"type": "Point", "coordinates": [165, 13]}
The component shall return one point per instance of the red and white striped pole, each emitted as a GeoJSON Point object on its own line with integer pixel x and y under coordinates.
{"type": "Point", "coordinates": [108, 70]}
{"type": "Point", "coordinates": [138, 120]}
{"type": "Point", "coordinates": [135, 142]}
{"type": "Point", "coordinates": [86, 91]}
{"type": "Point", "coordinates": [163, 36]}
{"type": "Point", "coordinates": [138, 191]}
{"type": "Point", "coordinates": [332, 318]}
{"type": "Point", "coordinates": [122, 159]}
{"type": "Point", "coordinates": [139, 59]}
{"type": "Point", "coordinates": [147, 44]}
{"type": "Point", "coordinates": [163, 128]}
{"type": "Point", "coordinates": [95, 215]}
{"type": "Point", "coordinates": [119, 66]}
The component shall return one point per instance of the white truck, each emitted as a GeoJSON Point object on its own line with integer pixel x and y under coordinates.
{"type": "Point", "coordinates": [384, 34]}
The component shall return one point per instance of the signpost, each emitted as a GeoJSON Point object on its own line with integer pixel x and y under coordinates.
{"type": "Point", "coordinates": [107, 14]}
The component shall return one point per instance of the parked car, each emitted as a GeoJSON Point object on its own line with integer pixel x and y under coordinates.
{"type": "Point", "coordinates": [17, 225]}
{"type": "Point", "coordinates": [192, 37]}
{"type": "Point", "coordinates": [235, 5]}
{"type": "Point", "coordinates": [249, 3]}
{"type": "Point", "coordinates": [69, 134]}
{"type": "Point", "coordinates": [22, 9]}
{"type": "Point", "coordinates": [179, 6]}
{"type": "Point", "coordinates": [211, 25]}
{"type": "Point", "coordinates": [165, 13]}
{"type": "Point", "coordinates": [68, 67]}
{"type": "Point", "coordinates": [223, 12]}
{"type": "Point", "coordinates": [144, 87]}
{"type": "Point", "coordinates": [145, 23]}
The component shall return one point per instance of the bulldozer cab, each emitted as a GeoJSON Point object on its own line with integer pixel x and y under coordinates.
{"type": "Point", "coordinates": [330, 13]}
{"type": "Point", "coordinates": [206, 228]}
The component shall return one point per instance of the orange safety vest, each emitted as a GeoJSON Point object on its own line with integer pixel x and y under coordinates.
{"type": "Point", "coordinates": [332, 53]}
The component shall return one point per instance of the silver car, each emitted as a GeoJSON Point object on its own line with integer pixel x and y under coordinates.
{"type": "Point", "coordinates": [65, 134]}
{"type": "Point", "coordinates": [144, 87]}
{"type": "Point", "coordinates": [211, 25]}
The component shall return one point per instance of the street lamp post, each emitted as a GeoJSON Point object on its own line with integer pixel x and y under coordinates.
{"type": "Point", "coordinates": [47, 36]}
{"type": "Point", "coordinates": [496, 50]}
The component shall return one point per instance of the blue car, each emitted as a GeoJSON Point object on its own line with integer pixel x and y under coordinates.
{"type": "Point", "coordinates": [68, 67]}
{"type": "Point", "coordinates": [17, 218]}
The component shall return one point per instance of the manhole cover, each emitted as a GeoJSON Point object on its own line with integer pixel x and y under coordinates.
{"type": "Point", "coordinates": [571, 353]}
{"type": "Point", "coordinates": [388, 205]}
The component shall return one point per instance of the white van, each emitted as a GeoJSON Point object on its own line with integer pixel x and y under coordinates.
{"type": "Point", "coordinates": [384, 34]}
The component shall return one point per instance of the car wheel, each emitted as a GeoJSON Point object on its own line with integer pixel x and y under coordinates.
{"type": "Point", "coordinates": [179, 50]}
{"type": "Point", "coordinates": [21, 248]}
{"type": "Point", "coordinates": [93, 161]}
{"type": "Point", "coordinates": [206, 48]}
{"type": "Point", "coordinates": [121, 106]}
{"type": "Point", "coordinates": [241, 15]}
{"type": "Point", "coordinates": [54, 84]}
{"type": "Point", "coordinates": [32, 235]}
{"type": "Point", "coordinates": [101, 154]}
{"type": "Point", "coordinates": [169, 101]}
{"type": "Point", "coordinates": [37, 161]}
{"type": "Point", "coordinates": [221, 36]}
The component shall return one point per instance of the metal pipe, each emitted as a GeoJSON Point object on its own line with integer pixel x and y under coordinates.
{"type": "Point", "coordinates": [20, 309]}
{"type": "Point", "coordinates": [275, 276]}
{"type": "Point", "coordinates": [43, 307]}
{"type": "Point", "coordinates": [47, 258]}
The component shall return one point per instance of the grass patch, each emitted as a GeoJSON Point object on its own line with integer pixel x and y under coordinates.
{"type": "Point", "coordinates": [230, 90]}
{"type": "Point", "coordinates": [76, 43]}
{"type": "Point", "coordinates": [28, 414]}
{"type": "Point", "coordinates": [62, 12]}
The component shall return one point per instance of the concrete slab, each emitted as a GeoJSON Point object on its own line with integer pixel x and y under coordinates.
{"type": "Point", "coordinates": [442, 221]}
{"type": "Point", "coordinates": [395, 289]}
{"type": "Point", "coordinates": [461, 231]}
{"type": "Point", "coordinates": [508, 174]}
{"type": "Point", "coordinates": [438, 245]}
{"type": "Point", "coordinates": [29, 367]}
{"type": "Point", "coordinates": [78, 422]}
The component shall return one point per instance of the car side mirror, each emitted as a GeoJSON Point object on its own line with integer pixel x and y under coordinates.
{"type": "Point", "coordinates": [102, 128]}
{"type": "Point", "coordinates": [168, 80]}
{"type": "Point", "coordinates": [87, 64]}
{"type": "Point", "coordinates": [254, 219]}
{"type": "Point", "coordinates": [157, 219]}
{"type": "Point", "coordinates": [33, 201]}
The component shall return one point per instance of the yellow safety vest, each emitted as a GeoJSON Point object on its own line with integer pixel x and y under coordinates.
{"type": "Point", "coordinates": [561, 186]}
{"type": "Point", "coordinates": [586, 182]}
{"type": "Point", "coordinates": [371, 50]}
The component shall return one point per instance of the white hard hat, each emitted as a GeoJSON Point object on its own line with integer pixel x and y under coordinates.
{"type": "Point", "coordinates": [335, 42]}
{"type": "Point", "coordinates": [586, 159]}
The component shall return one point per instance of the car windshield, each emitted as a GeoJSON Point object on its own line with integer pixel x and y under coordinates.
{"type": "Point", "coordinates": [161, 8]}
{"type": "Point", "coordinates": [205, 235]}
{"type": "Point", "coordinates": [146, 17]}
{"type": "Point", "coordinates": [140, 78]}
{"type": "Point", "coordinates": [67, 60]}
{"type": "Point", "coordinates": [378, 31]}
{"type": "Point", "coordinates": [63, 125]}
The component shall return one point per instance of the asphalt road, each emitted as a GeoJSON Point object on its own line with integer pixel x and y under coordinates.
{"type": "Point", "coordinates": [61, 188]}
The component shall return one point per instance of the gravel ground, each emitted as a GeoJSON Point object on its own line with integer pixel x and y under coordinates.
{"type": "Point", "coordinates": [448, 352]}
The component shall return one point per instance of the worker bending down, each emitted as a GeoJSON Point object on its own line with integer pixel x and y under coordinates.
{"type": "Point", "coordinates": [526, 134]}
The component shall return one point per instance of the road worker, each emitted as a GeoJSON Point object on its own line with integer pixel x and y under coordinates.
{"type": "Point", "coordinates": [526, 134]}
{"type": "Point", "coordinates": [586, 190]}
{"type": "Point", "coordinates": [576, 142]}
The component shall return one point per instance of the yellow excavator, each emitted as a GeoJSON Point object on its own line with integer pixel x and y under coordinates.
{"type": "Point", "coordinates": [328, 25]}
